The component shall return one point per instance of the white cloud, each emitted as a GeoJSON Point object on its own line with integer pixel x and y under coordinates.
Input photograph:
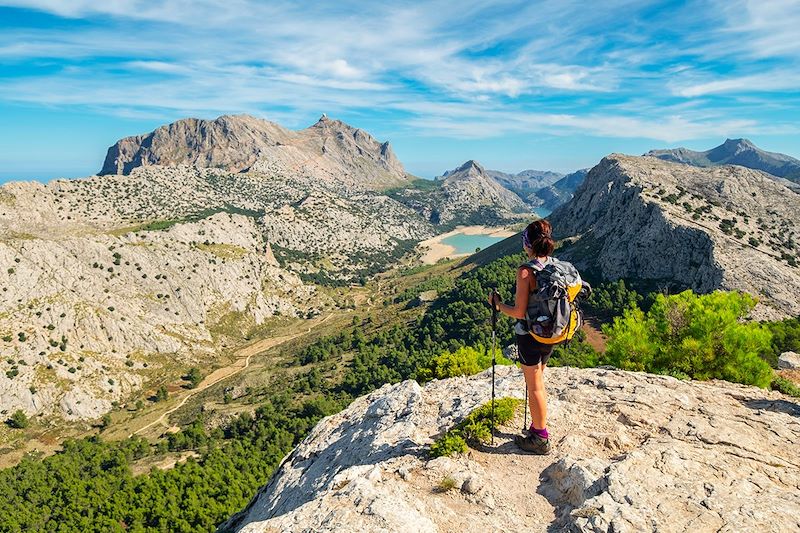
{"type": "Point", "coordinates": [468, 69]}
{"type": "Point", "coordinates": [767, 82]}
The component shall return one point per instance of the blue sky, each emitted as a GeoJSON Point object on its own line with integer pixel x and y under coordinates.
{"type": "Point", "coordinates": [515, 85]}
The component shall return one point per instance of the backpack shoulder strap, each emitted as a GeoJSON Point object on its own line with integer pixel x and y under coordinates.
{"type": "Point", "coordinates": [533, 264]}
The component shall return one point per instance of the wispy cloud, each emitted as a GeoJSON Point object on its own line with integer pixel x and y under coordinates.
{"type": "Point", "coordinates": [469, 69]}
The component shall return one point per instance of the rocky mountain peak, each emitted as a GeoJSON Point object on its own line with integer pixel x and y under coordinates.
{"type": "Point", "coordinates": [680, 227]}
{"type": "Point", "coordinates": [739, 143]}
{"type": "Point", "coordinates": [632, 452]}
{"type": "Point", "coordinates": [330, 150]}
{"type": "Point", "coordinates": [735, 152]}
{"type": "Point", "coordinates": [471, 166]}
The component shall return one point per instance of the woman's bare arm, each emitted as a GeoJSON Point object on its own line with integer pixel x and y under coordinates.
{"type": "Point", "coordinates": [524, 280]}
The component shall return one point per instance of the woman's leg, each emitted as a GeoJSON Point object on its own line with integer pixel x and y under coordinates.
{"type": "Point", "coordinates": [537, 398]}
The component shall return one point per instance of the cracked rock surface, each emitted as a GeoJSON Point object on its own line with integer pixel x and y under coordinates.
{"type": "Point", "coordinates": [632, 452]}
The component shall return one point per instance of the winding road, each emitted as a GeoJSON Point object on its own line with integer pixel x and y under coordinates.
{"type": "Point", "coordinates": [244, 354]}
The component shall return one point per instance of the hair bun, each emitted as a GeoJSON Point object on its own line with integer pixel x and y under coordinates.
{"type": "Point", "coordinates": [539, 237]}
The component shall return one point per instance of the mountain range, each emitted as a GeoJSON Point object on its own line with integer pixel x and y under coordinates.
{"type": "Point", "coordinates": [740, 152]}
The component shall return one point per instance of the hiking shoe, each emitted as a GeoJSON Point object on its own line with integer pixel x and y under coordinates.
{"type": "Point", "coordinates": [533, 443]}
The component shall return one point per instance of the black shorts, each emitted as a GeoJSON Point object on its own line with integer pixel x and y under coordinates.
{"type": "Point", "coordinates": [533, 352]}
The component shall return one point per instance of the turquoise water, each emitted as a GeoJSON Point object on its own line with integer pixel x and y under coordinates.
{"type": "Point", "coordinates": [466, 244]}
{"type": "Point", "coordinates": [542, 212]}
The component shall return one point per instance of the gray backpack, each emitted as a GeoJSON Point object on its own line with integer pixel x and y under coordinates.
{"type": "Point", "coordinates": [553, 316]}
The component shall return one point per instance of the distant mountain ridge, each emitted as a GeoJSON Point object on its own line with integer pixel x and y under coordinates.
{"type": "Point", "coordinates": [330, 150]}
{"type": "Point", "coordinates": [740, 152]}
{"type": "Point", "coordinates": [526, 182]}
{"type": "Point", "coordinates": [537, 189]}
{"type": "Point", "coordinates": [561, 191]}
{"type": "Point", "coordinates": [464, 195]}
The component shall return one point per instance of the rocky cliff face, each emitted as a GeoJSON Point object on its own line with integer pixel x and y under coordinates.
{"type": "Point", "coordinates": [632, 452]}
{"type": "Point", "coordinates": [735, 152]}
{"type": "Point", "coordinates": [676, 226]}
{"type": "Point", "coordinates": [330, 150]}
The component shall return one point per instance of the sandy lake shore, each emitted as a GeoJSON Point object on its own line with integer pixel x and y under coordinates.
{"type": "Point", "coordinates": [434, 249]}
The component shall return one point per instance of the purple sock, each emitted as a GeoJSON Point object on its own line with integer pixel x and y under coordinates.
{"type": "Point", "coordinates": [540, 432]}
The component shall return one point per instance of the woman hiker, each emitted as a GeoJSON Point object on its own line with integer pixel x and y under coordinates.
{"type": "Point", "coordinates": [533, 355]}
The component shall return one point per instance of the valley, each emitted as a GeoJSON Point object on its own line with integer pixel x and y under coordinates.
{"type": "Point", "coordinates": [229, 298]}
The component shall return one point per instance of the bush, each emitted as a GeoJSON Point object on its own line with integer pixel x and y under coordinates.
{"type": "Point", "coordinates": [19, 420]}
{"type": "Point", "coordinates": [785, 338]}
{"type": "Point", "coordinates": [785, 386]}
{"type": "Point", "coordinates": [161, 394]}
{"type": "Point", "coordinates": [193, 377]}
{"type": "Point", "coordinates": [448, 445]}
{"type": "Point", "coordinates": [701, 336]}
{"type": "Point", "coordinates": [476, 428]}
{"type": "Point", "coordinates": [446, 484]}
{"type": "Point", "coordinates": [577, 353]}
{"type": "Point", "coordinates": [613, 298]}
{"type": "Point", "coordinates": [465, 361]}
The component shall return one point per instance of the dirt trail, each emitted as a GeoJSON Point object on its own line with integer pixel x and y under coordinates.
{"type": "Point", "coordinates": [242, 362]}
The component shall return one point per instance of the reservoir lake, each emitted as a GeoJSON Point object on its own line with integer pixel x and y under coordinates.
{"type": "Point", "coordinates": [466, 244]}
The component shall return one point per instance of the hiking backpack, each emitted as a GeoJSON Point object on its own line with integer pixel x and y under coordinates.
{"type": "Point", "coordinates": [553, 315]}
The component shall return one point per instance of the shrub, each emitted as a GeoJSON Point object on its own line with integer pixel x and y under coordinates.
{"type": "Point", "coordinates": [446, 484]}
{"type": "Point", "coordinates": [161, 394]}
{"type": "Point", "coordinates": [19, 420]}
{"type": "Point", "coordinates": [785, 338]}
{"type": "Point", "coordinates": [701, 336]}
{"type": "Point", "coordinates": [785, 386]}
{"type": "Point", "coordinates": [447, 445]}
{"type": "Point", "coordinates": [475, 428]}
{"type": "Point", "coordinates": [577, 353]}
{"type": "Point", "coordinates": [613, 298]}
{"type": "Point", "coordinates": [465, 361]}
{"type": "Point", "coordinates": [193, 377]}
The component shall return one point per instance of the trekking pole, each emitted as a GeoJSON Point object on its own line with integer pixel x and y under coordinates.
{"type": "Point", "coordinates": [494, 350]}
{"type": "Point", "coordinates": [525, 410]}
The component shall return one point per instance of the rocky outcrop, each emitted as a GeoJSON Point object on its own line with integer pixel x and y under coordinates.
{"type": "Point", "coordinates": [632, 452]}
{"type": "Point", "coordinates": [735, 152]}
{"type": "Point", "coordinates": [330, 150]}
{"type": "Point", "coordinates": [673, 226]}
{"type": "Point", "coordinates": [789, 361]}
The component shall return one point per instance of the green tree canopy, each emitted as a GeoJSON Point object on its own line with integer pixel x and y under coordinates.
{"type": "Point", "coordinates": [700, 336]}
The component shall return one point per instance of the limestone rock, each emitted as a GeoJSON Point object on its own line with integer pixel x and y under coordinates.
{"type": "Point", "coordinates": [631, 452]}
{"type": "Point", "coordinates": [330, 150]}
{"type": "Point", "coordinates": [789, 361]}
{"type": "Point", "coordinates": [676, 226]}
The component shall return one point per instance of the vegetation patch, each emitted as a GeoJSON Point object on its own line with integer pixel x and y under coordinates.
{"type": "Point", "coordinates": [476, 428]}
{"type": "Point", "coordinates": [701, 336]}
{"type": "Point", "coordinates": [464, 361]}
{"type": "Point", "coordinates": [224, 251]}
{"type": "Point", "coordinates": [785, 386]}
